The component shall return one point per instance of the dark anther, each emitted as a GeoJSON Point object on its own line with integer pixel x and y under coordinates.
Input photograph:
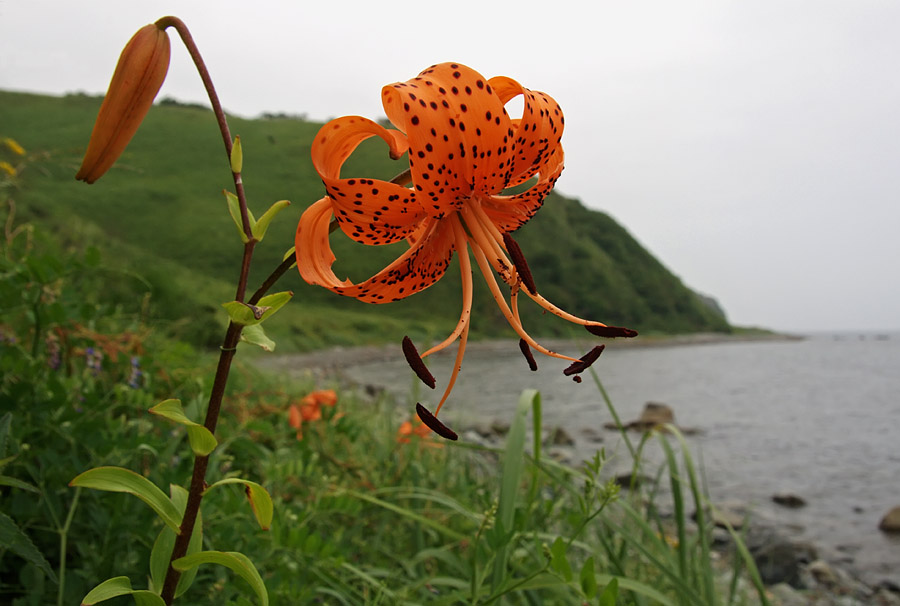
{"type": "Point", "coordinates": [434, 425]}
{"type": "Point", "coordinates": [577, 378]}
{"type": "Point", "coordinates": [416, 363]}
{"type": "Point", "coordinates": [585, 361]}
{"type": "Point", "coordinates": [518, 260]}
{"type": "Point", "coordinates": [526, 351]}
{"type": "Point", "coordinates": [610, 331]}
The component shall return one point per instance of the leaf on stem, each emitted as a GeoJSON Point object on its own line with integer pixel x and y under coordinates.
{"type": "Point", "coordinates": [260, 501]}
{"type": "Point", "coordinates": [249, 315]}
{"type": "Point", "coordinates": [259, 229]}
{"type": "Point", "coordinates": [165, 542]}
{"type": "Point", "coordinates": [237, 562]}
{"type": "Point", "coordinates": [237, 155]}
{"type": "Point", "coordinates": [202, 440]}
{"type": "Point", "coordinates": [119, 586]}
{"type": "Point", "coordinates": [255, 335]}
{"type": "Point", "coordinates": [234, 209]}
{"type": "Point", "coordinates": [117, 479]}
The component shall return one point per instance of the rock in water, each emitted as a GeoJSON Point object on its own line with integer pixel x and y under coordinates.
{"type": "Point", "coordinates": [891, 520]}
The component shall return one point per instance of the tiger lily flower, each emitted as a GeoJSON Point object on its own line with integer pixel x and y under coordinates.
{"type": "Point", "coordinates": [139, 74]}
{"type": "Point", "coordinates": [464, 152]}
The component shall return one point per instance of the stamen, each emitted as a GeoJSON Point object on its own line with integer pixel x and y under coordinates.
{"type": "Point", "coordinates": [610, 331]}
{"type": "Point", "coordinates": [518, 259]}
{"type": "Point", "coordinates": [526, 351]}
{"type": "Point", "coordinates": [415, 362]}
{"type": "Point", "coordinates": [434, 424]}
{"type": "Point", "coordinates": [585, 361]}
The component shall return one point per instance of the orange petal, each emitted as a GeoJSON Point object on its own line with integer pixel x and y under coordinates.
{"type": "Point", "coordinates": [509, 213]}
{"type": "Point", "coordinates": [138, 77]}
{"type": "Point", "coordinates": [370, 211]}
{"type": "Point", "coordinates": [295, 420]}
{"type": "Point", "coordinates": [310, 412]}
{"type": "Point", "coordinates": [324, 397]}
{"type": "Point", "coordinates": [458, 132]}
{"type": "Point", "coordinates": [537, 133]}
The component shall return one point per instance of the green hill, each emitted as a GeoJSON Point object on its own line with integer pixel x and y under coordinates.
{"type": "Point", "coordinates": [161, 222]}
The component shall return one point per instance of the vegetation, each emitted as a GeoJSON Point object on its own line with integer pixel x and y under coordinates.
{"type": "Point", "coordinates": [159, 212]}
{"type": "Point", "coordinates": [365, 510]}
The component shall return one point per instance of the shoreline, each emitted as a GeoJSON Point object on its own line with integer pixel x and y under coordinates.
{"type": "Point", "coordinates": [333, 359]}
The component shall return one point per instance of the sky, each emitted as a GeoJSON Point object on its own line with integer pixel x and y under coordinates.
{"type": "Point", "coordinates": [752, 146]}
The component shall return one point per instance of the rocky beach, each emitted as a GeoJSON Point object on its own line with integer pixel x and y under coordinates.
{"type": "Point", "coordinates": [796, 536]}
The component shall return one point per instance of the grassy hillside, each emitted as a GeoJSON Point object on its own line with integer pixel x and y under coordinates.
{"type": "Point", "coordinates": [160, 214]}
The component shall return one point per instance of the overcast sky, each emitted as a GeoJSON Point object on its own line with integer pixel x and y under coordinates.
{"type": "Point", "coordinates": [753, 146]}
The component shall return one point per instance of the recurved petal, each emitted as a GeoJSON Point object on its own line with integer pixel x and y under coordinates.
{"type": "Point", "coordinates": [509, 213]}
{"type": "Point", "coordinates": [416, 269]}
{"type": "Point", "coordinates": [369, 211]}
{"type": "Point", "coordinates": [537, 134]}
{"type": "Point", "coordinates": [139, 75]}
{"type": "Point", "coordinates": [458, 131]}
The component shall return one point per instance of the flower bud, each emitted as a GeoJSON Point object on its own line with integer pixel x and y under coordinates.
{"type": "Point", "coordinates": [138, 77]}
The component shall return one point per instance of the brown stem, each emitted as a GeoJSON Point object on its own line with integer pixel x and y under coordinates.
{"type": "Point", "coordinates": [194, 52]}
{"type": "Point", "coordinates": [232, 334]}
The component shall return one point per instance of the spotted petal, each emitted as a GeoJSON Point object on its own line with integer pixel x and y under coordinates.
{"type": "Point", "coordinates": [458, 134]}
{"type": "Point", "coordinates": [509, 213]}
{"type": "Point", "coordinates": [416, 269]}
{"type": "Point", "coordinates": [537, 133]}
{"type": "Point", "coordinates": [369, 211]}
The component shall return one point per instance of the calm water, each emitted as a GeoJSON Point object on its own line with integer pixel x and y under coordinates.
{"type": "Point", "coordinates": [819, 418]}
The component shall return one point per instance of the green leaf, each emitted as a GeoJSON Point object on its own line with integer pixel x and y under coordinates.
{"type": "Point", "coordinates": [255, 335]}
{"type": "Point", "coordinates": [5, 422]}
{"type": "Point", "coordinates": [260, 501]}
{"type": "Point", "coordinates": [610, 593]}
{"type": "Point", "coordinates": [234, 209]}
{"type": "Point", "coordinates": [588, 578]}
{"type": "Point", "coordinates": [558, 560]}
{"type": "Point", "coordinates": [8, 481]}
{"type": "Point", "coordinates": [13, 539]}
{"type": "Point", "coordinates": [117, 479]}
{"type": "Point", "coordinates": [237, 155]}
{"type": "Point", "coordinates": [165, 542]}
{"type": "Point", "coordinates": [237, 562]}
{"type": "Point", "coordinates": [259, 230]}
{"type": "Point", "coordinates": [119, 586]}
{"type": "Point", "coordinates": [250, 315]}
{"type": "Point", "coordinates": [201, 439]}
{"type": "Point", "coordinates": [513, 462]}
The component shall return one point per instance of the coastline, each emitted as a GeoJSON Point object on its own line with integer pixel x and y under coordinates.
{"type": "Point", "coordinates": [334, 359]}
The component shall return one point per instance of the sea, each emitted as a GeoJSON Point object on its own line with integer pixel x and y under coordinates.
{"type": "Point", "coordinates": [817, 417]}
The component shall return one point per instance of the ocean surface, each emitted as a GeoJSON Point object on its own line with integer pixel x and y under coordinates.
{"type": "Point", "coordinates": [818, 418]}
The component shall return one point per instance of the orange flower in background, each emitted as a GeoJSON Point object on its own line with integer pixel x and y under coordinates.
{"type": "Point", "coordinates": [310, 409]}
{"type": "Point", "coordinates": [321, 397]}
{"type": "Point", "coordinates": [464, 152]}
{"type": "Point", "coordinates": [138, 77]}
{"type": "Point", "coordinates": [407, 430]}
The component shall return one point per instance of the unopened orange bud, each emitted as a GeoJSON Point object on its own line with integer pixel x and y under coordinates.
{"type": "Point", "coordinates": [138, 77]}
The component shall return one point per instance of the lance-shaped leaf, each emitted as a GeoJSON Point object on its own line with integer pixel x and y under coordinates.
{"type": "Point", "coordinates": [255, 335]}
{"type": "Point", "coordinates": [202, 440]}
{"type": "Point", "coordinates": [234, 209]}
{"type": "Point", "coordinates": [558, 560]}
{"type": "Point", "coordinates": [165, 542]}
{"type": "Point", "coordinates": [259, 498]}
{"type": "Point", "coordinates": [259, 229]}
{"type": "Point", "coordinates": [237, 155]}
{"type": "Point", "coordinates": [248, 315]}
{"type": "Point", "coordinates": [119, 586]}
{"type": "Point", "coordinates": [15, 540]}
{"type": "Point", "coordinates": [237, 562]}
{"type": "Point", "coordinates": [117, 479]}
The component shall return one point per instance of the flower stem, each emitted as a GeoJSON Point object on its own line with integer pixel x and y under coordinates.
{"type": "Point", "coordinates": [232, 334]}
